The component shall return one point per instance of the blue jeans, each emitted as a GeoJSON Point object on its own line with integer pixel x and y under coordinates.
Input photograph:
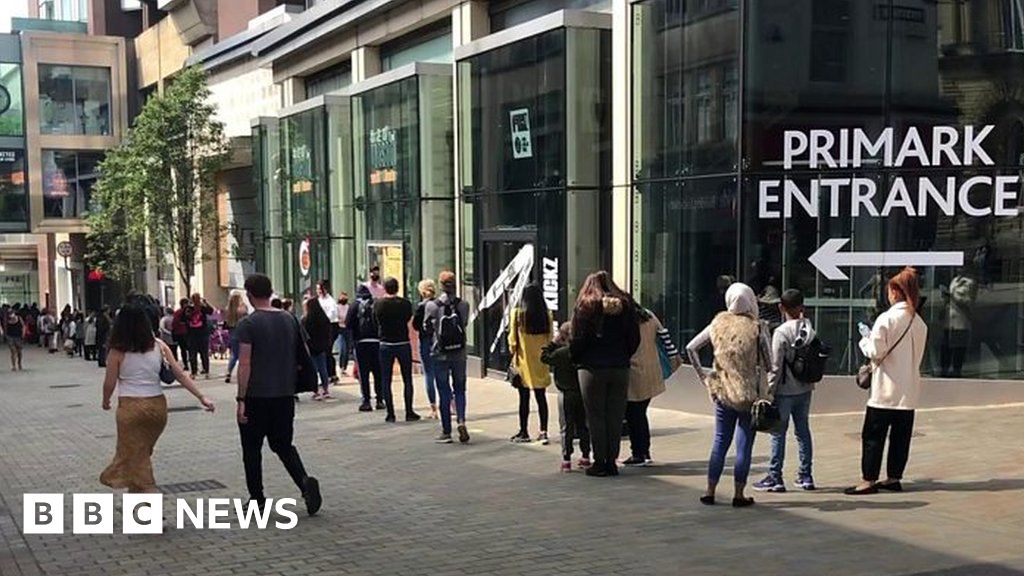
{"type": "Point", "coordinates": [388, 354]}
{"type": "Point", "coordinates": [799, 407]}
{"type": "Point", "coordinates": [341, 346]}
{"type": "Point", "coordinates": [427, 363]}
{"type": "Point", "coordinates": [320, 363]}
{"type": "Point", "coordinates": [233, 346]}
{"type": "Point", "coordinates": [450, 376]}
{"type": "Point", "coordinates": [727, 423]}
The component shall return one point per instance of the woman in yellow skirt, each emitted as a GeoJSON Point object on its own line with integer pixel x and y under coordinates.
{"type": "Point", "coordinates": [133, 369]}
{"type": "Point", "coordinates": [529, 331]}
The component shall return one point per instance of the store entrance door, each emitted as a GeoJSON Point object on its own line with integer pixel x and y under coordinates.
{"type": "Point", "coordinates": [500, 247]}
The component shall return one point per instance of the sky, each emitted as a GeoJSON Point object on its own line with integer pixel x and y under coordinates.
{"type": "Point", "coordinates": [9, 8]}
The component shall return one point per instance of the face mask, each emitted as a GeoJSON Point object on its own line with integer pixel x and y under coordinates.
{"type": "Point", "coordinates": [375, 277]}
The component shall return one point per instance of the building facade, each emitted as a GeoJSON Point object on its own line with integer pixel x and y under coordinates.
{"type": "Point", "coordinates": [681, 144]}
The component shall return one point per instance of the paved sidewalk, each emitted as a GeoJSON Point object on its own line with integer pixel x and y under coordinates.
{"type": "Point", "coordinates": [395, 503]}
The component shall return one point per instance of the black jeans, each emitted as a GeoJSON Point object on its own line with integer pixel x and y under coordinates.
{"type": "Point", "coordinates": [524, 408]}
{"type": "Point", "coordinates": [182, 342]}
{"type": "Point", "coordinates": [368, 359]}
{"type": "Point", "coordinates": [273, 419]}
{"type": "Point", "coordinates": [639, 428]}
{"type": "Point", "coordinates": [898, 425]}
{"type": "Point", "coordinates": [403, 354]}
{"type": "Point", "coordinates": [574, 425]}
{"type": "Point", "coordinates": [199, 345]}
{"type": "Point", "coordinates": [604, 397]}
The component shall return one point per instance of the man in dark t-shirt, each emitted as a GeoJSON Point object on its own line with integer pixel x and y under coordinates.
{"type": "Point", "coordinates": [267, 370]}
{"type": "Point", "coordinates": [392, 314]}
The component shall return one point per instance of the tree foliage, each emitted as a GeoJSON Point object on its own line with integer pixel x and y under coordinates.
{"type": "Point", "coordinates": [159, 185]}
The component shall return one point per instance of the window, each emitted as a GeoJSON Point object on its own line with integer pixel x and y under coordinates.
{"type": "Point", "coordinates": [329, 79]}
{"type": "Point", "coordinates": [436, 47]}
{"type": "Point", "coordinates": [74, 100]}
{"type": "Point", "coordinates": [13, 200]}
{"type": "Point", "coordinates": [68, 178]}
{"type": "Point", "coordinates": [46, 11]}
{"type": "Point", "coordinates": [12, 115]}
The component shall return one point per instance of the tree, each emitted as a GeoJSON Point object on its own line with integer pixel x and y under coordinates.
{"type": "Point", "coordinates": [163, 176]}
{"type": "Point", "coordinates": [117, 220]}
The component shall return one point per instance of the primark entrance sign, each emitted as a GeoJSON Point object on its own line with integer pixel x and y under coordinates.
{"type": "Point", "coordinates": [851, 149]}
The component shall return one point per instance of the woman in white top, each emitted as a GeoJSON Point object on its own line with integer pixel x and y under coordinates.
{"type": "Point", "coordinates": [895, 346]}
{"type": "Point", "coordinates": [133, 368]}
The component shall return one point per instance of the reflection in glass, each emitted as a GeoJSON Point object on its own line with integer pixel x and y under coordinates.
{"type": "Point", "coordinates": [13, 197]}
{"type": "Point", "coordinates": [12, 112]}
{"type": "Point", "coordinates": [68, 178]}
{"type": "Point", "coordinates": [74, 100]}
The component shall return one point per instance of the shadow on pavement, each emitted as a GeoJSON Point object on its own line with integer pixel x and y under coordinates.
{"type": "Point", "coordinates": [992, 485]}
{"type": "Point", "coordinates": [842, 505]}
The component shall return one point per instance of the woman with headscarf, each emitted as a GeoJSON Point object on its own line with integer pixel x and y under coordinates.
{"type": "Point", "coordinates": [742, 360]}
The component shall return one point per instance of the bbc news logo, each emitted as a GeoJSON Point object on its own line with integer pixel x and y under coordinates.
{"type": "Point", "coordinates": [144, 514]}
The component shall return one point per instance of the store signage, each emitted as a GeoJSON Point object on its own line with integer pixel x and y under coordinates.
{"type": "Point", "coordinates": [971, 195]}
{"type": "Point", "coordinates": [522, 146]}
{"type": "Point", "coordinates": [383, 155]}
{"type": "Point", "coordinates": [508, 287]}
{"type": "Point", "coordinates": [305, 258]}
{"type": "Point", "coordinates": [550, 283]}
{"type": "Point", "coordinates": [8, 156]}
{"type": "Point", "coordinates": [5, 100]}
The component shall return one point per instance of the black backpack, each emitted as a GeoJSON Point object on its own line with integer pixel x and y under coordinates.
{"type": "Point", "coordinates": [450, 336]}
{"type": "Point", "coordinates": [808, 363]}
{"type": "Point", "coordinates": [367, 323]}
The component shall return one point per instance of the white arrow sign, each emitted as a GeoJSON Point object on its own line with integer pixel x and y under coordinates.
{"type": "Point", "coordinates": [827, 259]}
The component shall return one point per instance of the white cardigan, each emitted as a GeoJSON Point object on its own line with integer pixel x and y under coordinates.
{"type": "Point", "coordinates": [896, 382]}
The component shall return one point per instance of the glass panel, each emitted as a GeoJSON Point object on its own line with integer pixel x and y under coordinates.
{"type": "Point", "coordinates": [437, 150]}
{"type": "Point", "coordinates": [515, 110]}
{"type": "Point", "coordinates": [302, 142]}
{"type": "Point", "coordinates": [686, 250]}
{"type": "Point", "coordinates": [388, 121]}
{"type": "Point", "coordinates": [68, 178]}
{"type": "Point", "coordinates": [13, 197]}
{"type": "Point", "coordinates": [57, 100]}
{"type": "Point", "coordinates": [12, 112]}
{"type": "Point", "coordinates": [74, 100]}
{"type": "Point", "coordinates": [92, 100]}
{"type": "Point", "coordinates": [588, 108]}
{"type": "Point", "coordinates": [436, 49]}
{"type": "Point", "coordinates": [685, 59]}
{"type": "Point", "coordinates": [329, 80]}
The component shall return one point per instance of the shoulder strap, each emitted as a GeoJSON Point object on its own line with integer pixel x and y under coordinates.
{"type": "Point", "coordinates": [893, 347]}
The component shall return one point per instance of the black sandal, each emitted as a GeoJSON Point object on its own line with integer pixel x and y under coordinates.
{"type": "Point", "coordinates": [742, 502]}
{"type": "Point", "coordinates": [707, 500]}
{"type": "Point", "coordinates": [855, 491]}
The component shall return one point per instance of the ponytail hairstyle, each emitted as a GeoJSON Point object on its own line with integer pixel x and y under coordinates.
{"type": "Point", "coordinates": [907, 287]}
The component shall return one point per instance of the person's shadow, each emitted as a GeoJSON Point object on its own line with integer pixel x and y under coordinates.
{"type": "Point", "coordinates": [845, 505]}
{"type": "Point", "coordinates": [991, 485]}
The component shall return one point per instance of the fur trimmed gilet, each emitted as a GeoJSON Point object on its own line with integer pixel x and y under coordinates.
{"type": "Point", "coordinates": [738, 362]}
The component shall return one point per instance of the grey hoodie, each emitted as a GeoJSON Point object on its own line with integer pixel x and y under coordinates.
{"type": "Point", "coordinates": [790, 335]}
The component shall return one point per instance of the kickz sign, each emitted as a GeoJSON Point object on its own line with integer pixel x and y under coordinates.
{"type": "Point", "coordinates": [850, 149]}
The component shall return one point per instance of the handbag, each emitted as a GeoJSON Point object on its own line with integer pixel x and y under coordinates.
{"type": "Point", "coordinates": [668, 354]}
{"type": "Point", "coordinates": [166, 373]}
{"type": "Point", "coordinates": [764, 414]}
{"type": "Point", "coordinates": [866, 372]}
{"type": "Point", "coordinates": [306, 379]}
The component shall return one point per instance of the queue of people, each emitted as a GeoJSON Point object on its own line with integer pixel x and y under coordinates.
{"type": "Point", "coordinates": [608, 363]}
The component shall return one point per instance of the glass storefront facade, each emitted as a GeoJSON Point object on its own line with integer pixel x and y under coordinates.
{"type": "Point", "coordinates": [403, 201]}
{"type": "Point", "coordinates": [12, 110]}
{"type": "Point", "coordinates": [301, 167]}
{"type": "Point", "coordinates": [535, 154]}
{"type": "Point", "coordinates": [763, 130]}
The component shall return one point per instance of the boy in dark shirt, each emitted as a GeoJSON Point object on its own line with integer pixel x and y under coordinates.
{"type": "Point", "coordinates": [392, 314]}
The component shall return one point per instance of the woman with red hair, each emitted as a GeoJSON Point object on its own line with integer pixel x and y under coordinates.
{"type": "Point", "coordinates": [895, 347]}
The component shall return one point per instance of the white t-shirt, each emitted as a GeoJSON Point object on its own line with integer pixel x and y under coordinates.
{"type": "Point", "coordinates": [139, 376]}
{"type": "Point", "coordinates": [330, 306]}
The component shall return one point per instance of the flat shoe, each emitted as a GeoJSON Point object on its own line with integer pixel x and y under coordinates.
{"type": "Point", "coordinates": [742, 502]}
{"type": "Point", "coordinates": [854, 491]}
{"type": "Point", "coordinates": [707, 500]}
{"type": "Point", "coordinates": [890, 486]}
